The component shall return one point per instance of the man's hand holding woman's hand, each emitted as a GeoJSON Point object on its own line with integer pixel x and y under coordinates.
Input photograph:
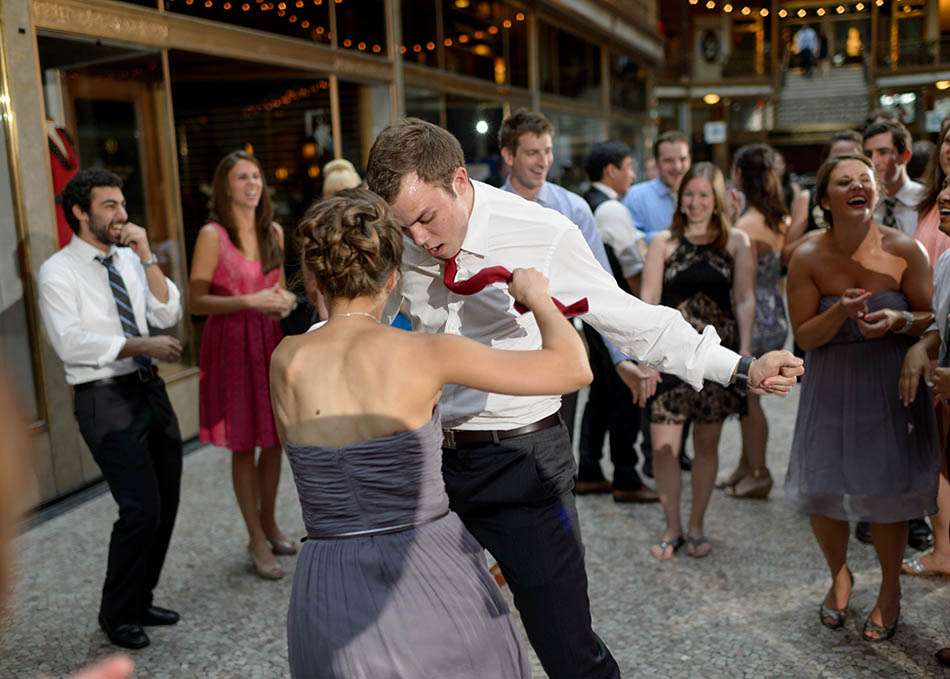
{"type": "Point", "coordinates": [775, 373]}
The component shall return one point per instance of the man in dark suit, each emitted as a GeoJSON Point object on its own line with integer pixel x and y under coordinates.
{"type": "Point", "coordinates": [610, 408]}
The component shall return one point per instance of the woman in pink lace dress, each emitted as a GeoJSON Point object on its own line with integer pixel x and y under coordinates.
{"type": "Point", "coordinates": [237, 281]}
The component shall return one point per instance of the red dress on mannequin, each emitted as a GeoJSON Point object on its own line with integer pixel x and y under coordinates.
{"type": "Point", "coordinates": [65, 166]}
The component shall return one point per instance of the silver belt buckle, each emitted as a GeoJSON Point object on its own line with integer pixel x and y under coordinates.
{"type": "Point", "coordinates": [448, 438]}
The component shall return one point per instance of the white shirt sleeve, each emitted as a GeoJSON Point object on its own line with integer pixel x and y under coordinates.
{"type": "Point", "coordinates": [656, 335]}
{"type": "Point", "coordinates": [619, 233]}
{"type": "Point", "coordinates": [60, 311]}
{"type": "Point", "coordinates": [159, 315]}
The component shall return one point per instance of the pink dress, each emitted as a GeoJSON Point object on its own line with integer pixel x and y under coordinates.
{"type": "Point", "coordinates": [928, 232]}
{"type": "Point", "coordinates": [234, 394]}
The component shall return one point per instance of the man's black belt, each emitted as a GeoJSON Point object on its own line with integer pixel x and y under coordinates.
{"type": "Point", "coordinates": [470, 438]}
{"type": "Point", "coordinates": [140, 376]}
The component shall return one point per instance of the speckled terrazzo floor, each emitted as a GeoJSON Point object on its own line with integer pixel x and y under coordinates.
{"type": "Point", "coordinates": [747, 610]}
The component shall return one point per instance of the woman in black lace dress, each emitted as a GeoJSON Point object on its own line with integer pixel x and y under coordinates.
{"type": "Point", "coordinates": [707, 271]}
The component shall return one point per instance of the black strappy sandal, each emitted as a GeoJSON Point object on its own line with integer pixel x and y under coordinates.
{"type": "Point", "coordinates": [833, 618]}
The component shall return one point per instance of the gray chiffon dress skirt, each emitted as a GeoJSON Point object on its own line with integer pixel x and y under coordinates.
{"type": "Point", "coordinates": [858, 454]}
{"type": "Point", "coordinates": [389, 584]}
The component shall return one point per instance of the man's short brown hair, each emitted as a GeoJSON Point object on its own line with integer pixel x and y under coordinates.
{"type": "Point", "coordinates": [671, 137]}
{"type": "Point", "coordinates": [520, 122]}
{"type": "Point", "coordinates": [900, 136]}
{"type": "Point", "coordinates": [412, 145]}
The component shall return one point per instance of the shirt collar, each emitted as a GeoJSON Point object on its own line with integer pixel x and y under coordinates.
{"type": "Point", "coordinates": [85, 251]}
{"type": "Point", "coordinates": [662, 189]}
{"type": "Point", "coordinates": [909, 194]}
{"type": "Point", "coordinates": [476, 234]}
{"type": "Point", "coordinates": [609, 192]}
{"type": "Point", "coordinates": [543, 196]}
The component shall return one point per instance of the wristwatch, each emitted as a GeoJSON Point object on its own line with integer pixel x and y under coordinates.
{"type": "Point", "coordinates": [740, 378]}
{"type": "Point", "coordinates": [151, 261]}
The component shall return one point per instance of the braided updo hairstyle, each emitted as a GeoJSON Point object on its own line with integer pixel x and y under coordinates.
{"type": "Point", "coordinates": [351, 243]}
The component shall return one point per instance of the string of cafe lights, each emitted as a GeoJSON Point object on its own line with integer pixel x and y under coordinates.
{"type": "Point", "coordinates": [801, 12]}
{"type": "Point", "coordinates": [282, 8]}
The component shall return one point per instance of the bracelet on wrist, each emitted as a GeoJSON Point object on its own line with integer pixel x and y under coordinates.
{"type": "Point", "coordinates": [908, 317]}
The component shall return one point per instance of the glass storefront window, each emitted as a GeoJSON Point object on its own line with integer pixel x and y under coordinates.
{"type": "Point", "coordinates": [573, 136]}
{"type": "Point", "coordinates": [281, 117]}
{"type": "Point", "coordinates": [424, 104]}
{"type": "Point", "coordinates": [306, 19]}
{"type": "Point", "coordinates": [628, 83]}
{"type": "Point", "coordinates": [419, 36]}
{"type": "Point", "coordinates": [16, 356]}
{"type": "Point", "coordinates": [639, 137]}
{"type": "Point", "coordinates": [750, 115]}
{"type": "Point", "coordinates": [361, 25]}
{"type": "Point", "coordinates": [486, 39]}
{"type": "Point", "coordinates": [364, 112]}
{"type": "Point", "coordinates": [476, 125]}
{"type": "Point", "coordinates": [106, 107]}
{"type": "Point", "coordinates": [570, 65]}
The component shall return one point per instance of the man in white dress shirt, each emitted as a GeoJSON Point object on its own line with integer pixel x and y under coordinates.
{"type": "Point", "coordinates": [507, 460]}
{"type": "Point", "coordinates": [888, 145]}
{"type": "Point", "coordinates": [97, 299]}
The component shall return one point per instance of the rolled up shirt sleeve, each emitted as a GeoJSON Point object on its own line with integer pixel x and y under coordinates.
{"type": "Point", "coordinates": [656, 335]}
{"type": "Point", "coordinates": [162, 315]}
{"type": "Point", "coordinates": [59, 309]}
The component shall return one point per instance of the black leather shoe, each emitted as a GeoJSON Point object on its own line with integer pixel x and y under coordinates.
{"type": "Point", "coordinates": [129, 636]}
{"type": "Point", "coordinates": [156, 615]}
{"type": "Point", "coordinates": [919, 535]}
{"type": "Point", "coordinates": [686, 462]}
{"type": "Point", "coordinates": [862, 532]}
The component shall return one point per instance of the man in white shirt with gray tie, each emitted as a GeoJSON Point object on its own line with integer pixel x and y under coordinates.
{"type": "Point", "coordinates": [507, 460]}
{"type": "Point", "coordinates": [98, 296]}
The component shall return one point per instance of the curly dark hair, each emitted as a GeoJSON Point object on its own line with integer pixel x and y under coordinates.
{"type": "Point", "coordinates": [351, 243]}
{"type": "Point", "coordinates": [79, 192]}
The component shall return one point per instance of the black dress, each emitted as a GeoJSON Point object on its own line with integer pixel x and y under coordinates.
{"type": "Point", "coordinates": [697, 280]}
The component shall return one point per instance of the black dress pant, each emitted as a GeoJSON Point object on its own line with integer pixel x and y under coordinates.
{"type": "Point", "coordinates": [609, 409]}
{"type": "Point", "coordinates": [133, 434]}
{"type": "Point", "coordinates": [516, 497]}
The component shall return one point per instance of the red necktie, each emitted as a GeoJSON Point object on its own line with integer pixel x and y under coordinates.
{"type": "Point", "coordinates": [499, 274]}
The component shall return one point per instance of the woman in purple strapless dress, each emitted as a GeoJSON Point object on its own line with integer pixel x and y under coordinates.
{"type": "Point", "coordinates": [389, 583]}
{"type": "Point", "coordinates": [858, 296]}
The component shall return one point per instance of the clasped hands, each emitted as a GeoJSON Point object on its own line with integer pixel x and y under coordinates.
{"type": "Point", "coordinates": [775, 372]}
{"type": "Point", "coordinates": [871, 324]}
{"type": "Point", "coordinates": [274, 301]}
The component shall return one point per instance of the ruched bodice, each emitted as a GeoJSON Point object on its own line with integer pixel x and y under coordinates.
{"type": "Point", "coordinates": [386, 482]}
{"type": "Point", "coordinates": [884, 299]}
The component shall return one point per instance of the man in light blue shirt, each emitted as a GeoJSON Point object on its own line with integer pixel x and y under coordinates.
{"type": "Point", "coordinates": [527, 147]}
{"type": "Point", "coordinates": [652, 203]}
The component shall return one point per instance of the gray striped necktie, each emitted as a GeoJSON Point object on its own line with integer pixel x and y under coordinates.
{"type": "Point", "coordinates": [124, 306]}
{"type": "Point", "coordinates": [890, 219]}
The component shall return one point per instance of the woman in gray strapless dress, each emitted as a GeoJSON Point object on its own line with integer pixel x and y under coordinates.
{"type": "Point", "coordinates": [389, 583]}
{"type": "Point", "coordinates": [859, 453]}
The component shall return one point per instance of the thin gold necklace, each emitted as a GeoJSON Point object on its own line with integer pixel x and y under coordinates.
{"type": "Point", "coordinates": [359, 313]}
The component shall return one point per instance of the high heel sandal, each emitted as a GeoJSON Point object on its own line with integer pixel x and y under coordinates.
{"type": "Point", "coordinates": [274, 572]}
{"type": "Point", "coordinates": [757, 484]}
{"type": "Point", "coordinates": [880, 632]}
{"type": "Point", "coordinates": [833, 618]}
{"type": "Point", "coordinates": [284, 547]}
{"type": "Point", "coordinates": [734, 478]}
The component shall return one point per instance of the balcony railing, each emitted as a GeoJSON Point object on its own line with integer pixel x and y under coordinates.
{"type": "Point", "coordinates": [735, 66]}
{"type": "Point", "coordinates": [915, 54]}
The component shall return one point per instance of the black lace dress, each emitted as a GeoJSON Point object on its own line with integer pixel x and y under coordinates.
{"type": "Point", "coordinates": [697, 280]}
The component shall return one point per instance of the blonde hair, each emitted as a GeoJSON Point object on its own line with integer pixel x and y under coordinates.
{"type": "Point", "coordinates": [338, 175]}
{"type": "Point", "coordinates": [351, 243]}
